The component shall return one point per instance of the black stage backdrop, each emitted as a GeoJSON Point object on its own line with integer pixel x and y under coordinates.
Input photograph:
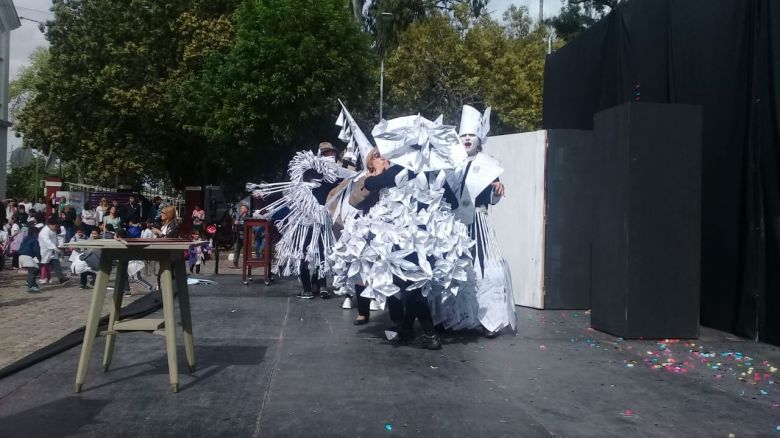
{"type": "Point", "coordinates": [725, 56]}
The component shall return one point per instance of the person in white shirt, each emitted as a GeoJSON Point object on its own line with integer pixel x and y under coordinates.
{"type": "Point", "coordinates": [15, 237]}
{"type": "Point", "coordinates": [47, 240]}
{"type": "Point", "coordinates": [89, 217]}
{"type": "Point", "coordinates": [147, 233]}
{"type": "Point", "coordinates": [27, 205]}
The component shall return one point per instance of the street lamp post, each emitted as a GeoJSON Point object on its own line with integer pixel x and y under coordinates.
{"type": "Point", "coordinates": [385, 17]}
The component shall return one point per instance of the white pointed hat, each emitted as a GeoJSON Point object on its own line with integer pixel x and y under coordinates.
{"type": "Point", "coordinates": [472, 122]}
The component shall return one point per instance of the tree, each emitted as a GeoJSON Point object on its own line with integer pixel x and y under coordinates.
{"type": "Point", "coordinates": [275, 90]}
{"type": "Point", "coordinates": [438, 67]}
{"type": "Point", "coordinates": [386, 29]}
{"type": "Point", "coordinates": [24, 88]}
{"type": "Point", "coordinates": [578, 15]}
{"type": "Point", "coordinates": [103, 101]}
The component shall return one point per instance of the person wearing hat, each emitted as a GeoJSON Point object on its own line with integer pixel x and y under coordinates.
{"type": "Point", "coordinates": [477, 186]}
{"type": "Point", "coordinates": [326, 149]}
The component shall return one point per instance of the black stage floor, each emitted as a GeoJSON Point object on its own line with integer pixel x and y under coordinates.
{"type": "Point", "coordinates": [273, 365]}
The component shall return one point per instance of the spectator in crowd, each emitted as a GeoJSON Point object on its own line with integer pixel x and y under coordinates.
{"type": "Point", "coordinates": [238, 226]}
{"type": "Point", "coordinates": [169, 228]}
{"type": "Point", "coordinates": [21, 215]}
{"type": "Point", "coordinates": [10, 208]}
{"type": "Point", "coordinates": [50, 262]}
{"type": "Point", "coordinates": [29, 257]}
{"type": "Point", "coordinates": [197, 254]}
{"type": "Point", "coordinates": [110, 232]}
{"type": "Point", "coordinates": [79, 235]}
{"type": "Point", "coordinates": [111, 218]}
{"type": "Point", "coordinates": [147, 233]}
{"type": "Point", "coordinates": [198, 218]}
{"type": "Point", "coordinates": [154, 211]}
{"type": "Point", "coordinates": [94, 234]}
{"type": "Point", "coordinates": [69, 221]}
{"type": "Point", "coordinates": [133, 229]}
{"type": "Point", "coordinates": [89, 217]}
{"type": "Point", "coordinates": [131, 210]}
{"type": "Point", "coordinates": [27, 205]}
{"type": "Point", "coordinates": [15, 236]}
{"type": "Point", "coordinates": [102, 210]}
{"type": "Point", "coordinates": [3, 243]}
{"type": "Point", "coordinates": [39, 206]}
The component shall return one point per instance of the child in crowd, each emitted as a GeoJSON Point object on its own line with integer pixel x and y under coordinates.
{"type": "Point", "coordinates": [133, 229]}
{"type": "Point", "coordinates": [198, 254]}
{"type": "Point", "coordinates": [147, 233]}
{"type": "Point", "coordinates": [29, 258]}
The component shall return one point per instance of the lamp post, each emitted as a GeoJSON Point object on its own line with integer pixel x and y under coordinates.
{"type": "Point", "coordinates": [385, 17]}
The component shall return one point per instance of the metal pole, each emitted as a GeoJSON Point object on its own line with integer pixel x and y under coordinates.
{"type": "Point", "coordinates": [381, 86]}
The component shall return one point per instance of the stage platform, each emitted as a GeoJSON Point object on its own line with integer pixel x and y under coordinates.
{"type": "Point", "coordinates": [272, 365]}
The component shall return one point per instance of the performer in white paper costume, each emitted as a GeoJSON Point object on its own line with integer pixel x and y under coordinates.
{"type": "Point", "coordinates": [408, 245]}
{"type": "Point", "coordinates": [303, 220]}
{"type": "Point", "coordinates": [477, 186]}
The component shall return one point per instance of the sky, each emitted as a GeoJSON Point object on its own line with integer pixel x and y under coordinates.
{"type": "Point", "coordinates": [27, 38]}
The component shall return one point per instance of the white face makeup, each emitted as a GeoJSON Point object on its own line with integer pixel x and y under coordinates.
{"type": "Point", "coordinates": [471, 142]}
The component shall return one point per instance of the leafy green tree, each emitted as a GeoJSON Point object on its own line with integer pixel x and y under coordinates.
{"type": "Point", "coordinates": [386, 20]}
{"type": "Point", "coordinates": [103, 101]}
{"type": "Point", "coordinates": [438, 67]}
{"type": "Point", "coordinates": [578, 15]}
{"type": "Point", "coordinates": [275, 90]}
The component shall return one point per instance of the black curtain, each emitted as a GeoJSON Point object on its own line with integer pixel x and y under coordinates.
{"type": "Point", "coordinates": [723, 55]}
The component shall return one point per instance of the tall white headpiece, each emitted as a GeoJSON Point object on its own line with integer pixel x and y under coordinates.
{"type": "Point", "coordinates": [472, 122]}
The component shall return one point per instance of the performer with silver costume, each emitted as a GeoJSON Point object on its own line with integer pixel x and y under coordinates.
{"type": "Point", "coordinates": [408, 245]}
{"type": "Point", "coordinates": [303, 220]}
{"type": "Point", "coordinates": [476, 184]}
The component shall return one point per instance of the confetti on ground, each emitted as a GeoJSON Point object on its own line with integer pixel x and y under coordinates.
{"type": "Point", "coordinates": [388, 426]}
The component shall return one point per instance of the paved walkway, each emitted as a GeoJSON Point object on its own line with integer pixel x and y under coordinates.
{"type": "Point", "coordinates": [29, 322]}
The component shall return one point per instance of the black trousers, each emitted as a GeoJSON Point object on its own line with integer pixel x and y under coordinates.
{"type": "Point", "coordinates": [310, 281]}
{"type": "Point", "coordinates": [413, 306]}
{"type": "Point", "coordinates": [363, 303]}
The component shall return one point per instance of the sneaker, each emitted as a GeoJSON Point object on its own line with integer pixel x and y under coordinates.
{"type": "Point", "coordinates": [429, 341]}
{"type": "Point", "coordinates": [33, 290]}
{"type": "Point", "coordinates": [325, 295]}
{"type": "Point", "coordinates": [44, 281]}
{"type": "Point", "coordinates": [305, 295]}
{"type": "Point", "coordinates": [374, 305]}
{"type": "Point", "coordinates": [347, 304]}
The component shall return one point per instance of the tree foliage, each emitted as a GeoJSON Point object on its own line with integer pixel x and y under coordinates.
{"type": "Point", "coordinates": [437, 68]}
{"type": "Point", "coordinates": [275, 90]}
{"type": "Point", "coordinates": [103, 98]}
{"type": "Point", "coordinates": [578, 15]}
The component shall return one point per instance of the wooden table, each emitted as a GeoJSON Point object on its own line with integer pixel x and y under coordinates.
{"type": "Point", "coordinates": [248, 261]}
{"type": "Point", "coordinates": [170, 255]}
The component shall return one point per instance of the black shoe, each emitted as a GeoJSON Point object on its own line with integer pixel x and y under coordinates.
{"type": "Point", "coordinates": [325, 295]}
{"type": "Point", "coordinates": [429, 341]}
{"type": "Point", "coordinates": [84, 286]}
{"type": "Point", "coordinates": [404, 335]}
{"type": "Point", "coordinates": [360, 321]}
{"type": "Point", "coordinates": [305, 295]}
{"type": "Point", "coordinates": [488, 334]}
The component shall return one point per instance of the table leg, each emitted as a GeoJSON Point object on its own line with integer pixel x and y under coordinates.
{"type": "Point", "coordinates": [119, 285]}
{"type": "Point", "coordinates": [166, 284]}
{"type": "Point", "coordinates": [183, 293]}
{"type": "Point", "coordinates": [93, 318]}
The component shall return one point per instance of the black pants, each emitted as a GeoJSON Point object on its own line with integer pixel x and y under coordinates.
{"type": "Point", "coordinates": [310, 281]}
{"type": "Point", "coordinates": [363, 303]}
{"type": "Point", "coordinates": [415, 307]}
